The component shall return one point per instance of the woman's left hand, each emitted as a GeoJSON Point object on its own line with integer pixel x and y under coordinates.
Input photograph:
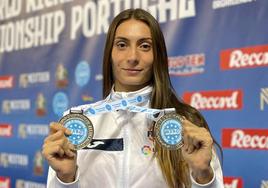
{"type": "Point", "coordinates": [197, 151]}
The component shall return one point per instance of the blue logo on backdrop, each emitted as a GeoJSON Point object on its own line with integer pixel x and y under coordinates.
{"type": "Point", "coordinates": [60, 103]}
{"type": "Point", "coordinates": [82, 73]}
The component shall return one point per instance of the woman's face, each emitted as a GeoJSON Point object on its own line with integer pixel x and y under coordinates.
{"type": "Point", "coordinates": [132, 56]}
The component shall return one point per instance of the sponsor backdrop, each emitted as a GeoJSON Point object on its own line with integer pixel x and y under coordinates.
{"type": "Point", "coordinates": [51, 57]}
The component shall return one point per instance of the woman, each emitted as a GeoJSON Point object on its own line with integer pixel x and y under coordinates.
{"type": "Point", "coordinates": [135, 63]}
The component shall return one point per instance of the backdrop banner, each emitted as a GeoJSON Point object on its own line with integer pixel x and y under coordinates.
{"type": "Point", "coordinates": [51, 59]}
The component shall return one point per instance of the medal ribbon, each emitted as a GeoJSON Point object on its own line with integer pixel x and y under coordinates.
{"type": "Point", "coordinates": [128, 104]}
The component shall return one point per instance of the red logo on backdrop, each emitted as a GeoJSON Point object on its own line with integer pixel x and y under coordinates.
{"type": "Point", "coordinates": [215, 100]}
{"type": "Point", "coordinates": [249, 57]}
{"type": "Point", "coordinates": [186, 65]}
{"type": "Point", "coordinates": [233, 182]}
{"type": "Point", "coordinates": [245, 138]}
{"type": "Point", "coordinates": [6, 82]}
{"type": "Point", "coordinates": [4, 182]}
{"type": "Point", "coordinates": [5, 130]}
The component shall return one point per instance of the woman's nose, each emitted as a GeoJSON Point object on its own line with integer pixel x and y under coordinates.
{"type": "Point", "coordinates": [133, 55]}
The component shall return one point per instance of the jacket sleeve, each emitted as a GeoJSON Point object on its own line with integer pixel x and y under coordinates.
{"type": "Point", "coordinates": [54, 182]}
{"type": "Point", "coordinates": [217, 180]}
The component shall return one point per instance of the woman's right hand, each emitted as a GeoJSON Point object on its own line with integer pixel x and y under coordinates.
{"type": "Point", "coordinates": [60, 153]}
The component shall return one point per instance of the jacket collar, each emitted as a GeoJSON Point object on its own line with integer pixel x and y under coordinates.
{"type": "Point", "coordinates": [115, 95]}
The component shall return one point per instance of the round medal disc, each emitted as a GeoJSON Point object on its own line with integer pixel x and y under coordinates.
{"type": "Point", "coordinates": [81, 128]}
{"type": "Point", "coordinates": [168, 131]}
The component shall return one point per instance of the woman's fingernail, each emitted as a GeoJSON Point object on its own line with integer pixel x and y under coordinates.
{"type": "Point", "coordinates": [71, 146]}
{"type": "Point", "coordinates": [68, 131]}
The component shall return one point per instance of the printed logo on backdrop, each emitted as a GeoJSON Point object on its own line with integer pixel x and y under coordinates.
{"type": "Point", "coordinates": [35, 131]}
{"type": "Point", "coordinates": [60, 103]}
{"type": "Point", "coordinates": [216, 4]}
{"type": "Point", "coordinates": [263, 98]}
{"type": "Point", "coordinates": [82, 73]}
{"type": "Point", "coordinates": [40, 104]}
{"type": "Point", "coordinates": [6, 109]}
{"type": "Point", "coordinates": [233, 182]}
{"type": "Point", "coordinates": [99, 77]}
{"type": "Point", "coordinates": [38, 164]}
{"type": "Point", "coordinates": [26, 80]}
{"type": "Point", "coordinates": [61, 76]}
{"type": "Point", "coordinates": [186, 65]}
{"type": "Point", "coordinates": [6, 82]}
{"type": "Point", "coordinates": [215, 100]}
{"type": "Point", "coordinates": [247, 57]}
{"type": "Point", "coordinates": [9, 106]}
{"type": "Point", "coordinates": [87, 98]}
{"type": "Point", "coordinates": [5, 182]}
{"type": "Point", "coordinates": [250, 139]}
{"type": "Point", "coordinates": [5, 130]}
{"type": "Point", "coordinates": [20, 183]}
{"type": "Point", "coordinates": [13, 160]}
{"type": "Point", "coordinates": [264, 184]}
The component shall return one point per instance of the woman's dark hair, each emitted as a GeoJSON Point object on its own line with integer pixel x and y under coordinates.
{"type": "Point", "coordinates": [174, 168]}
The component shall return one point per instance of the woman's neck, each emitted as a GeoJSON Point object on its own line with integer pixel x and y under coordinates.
{"type": "Point", "coordinates": [128, 88]}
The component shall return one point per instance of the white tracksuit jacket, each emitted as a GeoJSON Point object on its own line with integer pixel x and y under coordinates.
{"type": "Point", "coordinates": [120, 154]}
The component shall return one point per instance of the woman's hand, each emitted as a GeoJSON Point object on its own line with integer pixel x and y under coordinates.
{"type": "Point", "coordinates": [60, 153]}
{"type": "Point", "coordinates": [197, 151]}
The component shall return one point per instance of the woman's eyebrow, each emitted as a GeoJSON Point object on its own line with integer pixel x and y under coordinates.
{"type": "Point", "coordinates": [125, 38]}
{"type": "Point", "coordinates": [145, 39]}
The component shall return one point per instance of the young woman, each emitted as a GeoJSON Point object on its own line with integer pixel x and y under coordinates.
{"type": "Point", "coordinates": [122, 154]}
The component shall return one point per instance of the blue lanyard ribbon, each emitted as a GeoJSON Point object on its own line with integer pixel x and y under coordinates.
{"type": "Point", "coordinates": [128, 104]}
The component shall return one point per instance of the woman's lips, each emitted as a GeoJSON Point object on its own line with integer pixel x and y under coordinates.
{"type": "Point", "coordinates": [133, 71]}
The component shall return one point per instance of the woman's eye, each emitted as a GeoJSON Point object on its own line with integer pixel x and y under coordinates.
{"type": "Point", "coordinates": [145, 46]}
{"type": "Point", "coordinates": [121, 45]}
